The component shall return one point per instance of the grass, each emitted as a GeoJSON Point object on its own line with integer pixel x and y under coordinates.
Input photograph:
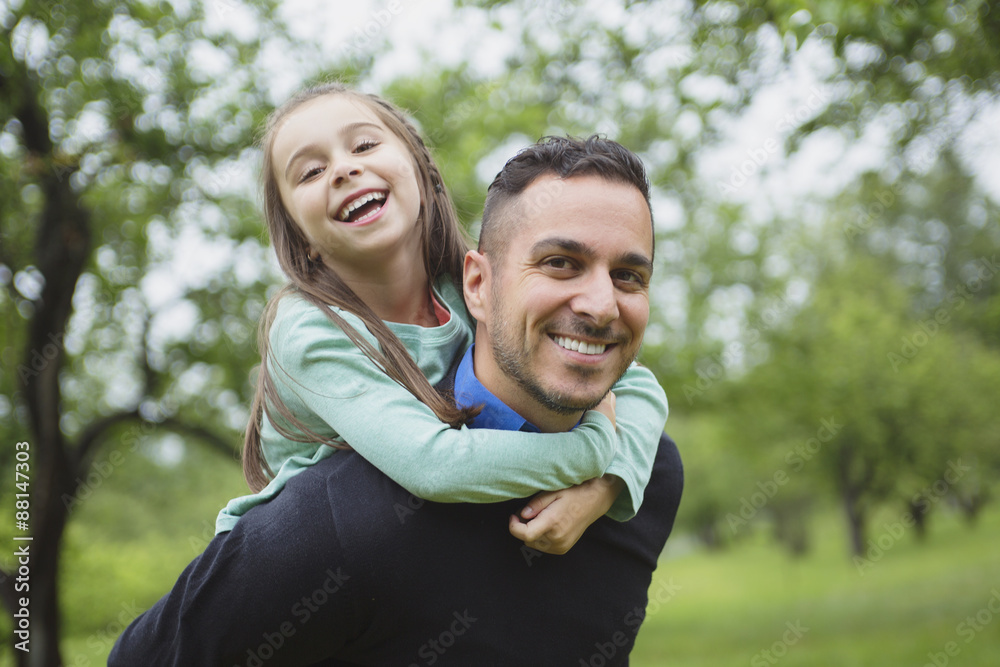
{"type": "Point", "coordinates": [906, 605]}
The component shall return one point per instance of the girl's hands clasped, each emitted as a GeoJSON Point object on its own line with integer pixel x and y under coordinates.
{"type": "Point", "coordinates": [553, 521]}
{"type": "Point", "coordinates": [557, 519]}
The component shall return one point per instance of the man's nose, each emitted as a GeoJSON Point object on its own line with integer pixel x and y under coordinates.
{"type": "Point", "coordinates": [597, 300]}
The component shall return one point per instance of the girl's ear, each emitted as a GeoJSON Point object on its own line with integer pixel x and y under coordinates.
{"type": "Point", "coordinates": [476, 284]}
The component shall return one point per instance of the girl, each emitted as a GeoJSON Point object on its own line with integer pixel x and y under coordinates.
{"type": "Point", "coordinates": [373, 317]}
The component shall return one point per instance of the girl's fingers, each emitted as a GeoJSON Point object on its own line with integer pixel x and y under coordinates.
{"type": "Point", "coordinates": [539, 502]}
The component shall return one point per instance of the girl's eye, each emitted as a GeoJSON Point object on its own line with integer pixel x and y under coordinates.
{"type": "Point", "coordinates": [310, 173]}
{"type": "Point", "coordinates": [365, 145]}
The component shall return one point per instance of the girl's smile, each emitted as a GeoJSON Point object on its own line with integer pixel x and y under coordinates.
{"type": "Point", "coordinates": [362, 207]}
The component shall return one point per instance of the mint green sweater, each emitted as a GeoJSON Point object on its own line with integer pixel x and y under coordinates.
{"type": "Point", "coordinates": [339, 393]}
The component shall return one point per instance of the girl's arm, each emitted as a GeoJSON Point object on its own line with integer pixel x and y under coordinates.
{"type": "Point", "coordinates": [641, 414]}
{"type": "Point", "coordinates": [555, 520]}
{"type": "Point", "coordinates": [333, 387]}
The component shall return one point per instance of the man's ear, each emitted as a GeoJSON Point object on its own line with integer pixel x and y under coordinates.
{"type": "Point", "coordinates": [475, 284]}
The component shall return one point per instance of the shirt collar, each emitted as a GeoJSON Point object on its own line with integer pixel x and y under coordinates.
{"type": "Point", "coordinates": [469, 392]}
{"type": "Point", "coordinates": [440, 312]}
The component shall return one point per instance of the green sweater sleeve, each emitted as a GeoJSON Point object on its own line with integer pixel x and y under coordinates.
{"type": "Point", "coordinates": [640, 413]}
{"type": "Point", "coordinates": [327, 381]}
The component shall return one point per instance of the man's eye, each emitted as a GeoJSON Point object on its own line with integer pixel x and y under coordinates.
{"type": "Point", "coordinates": [558, 263]}
{"type": "Point", "coordinates": [630, 278]}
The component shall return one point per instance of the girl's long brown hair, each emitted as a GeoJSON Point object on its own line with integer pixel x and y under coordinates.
{"type": "Point", "coordinates": [444, 247]}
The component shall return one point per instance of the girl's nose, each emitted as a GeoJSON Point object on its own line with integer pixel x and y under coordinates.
{"type": "Point", "coordinates": [344, 171]}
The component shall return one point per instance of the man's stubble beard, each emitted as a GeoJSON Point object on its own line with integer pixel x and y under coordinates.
{"type": "Point", "coordinates": [513, 359]}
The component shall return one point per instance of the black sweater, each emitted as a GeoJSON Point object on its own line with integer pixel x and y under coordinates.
{"type": "Point", "coordinates": [345, 567]}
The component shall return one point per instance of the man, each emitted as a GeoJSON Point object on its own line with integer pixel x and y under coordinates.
{"type": "Point", "coordinates": [345, 567]}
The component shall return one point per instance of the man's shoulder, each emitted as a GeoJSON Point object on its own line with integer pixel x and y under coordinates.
{"type": "Point", "coordinates": [641, 539]}
{"type": "Point", "coordinates": [668, 469]}
{"type": "Point", "coordinates": [666, 485]}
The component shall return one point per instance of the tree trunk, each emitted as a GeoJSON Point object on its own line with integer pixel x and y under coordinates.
{"type": "Point", "coordinates": [853, 479]}
{"type": "Point", "coordinates": [971, 504]}
{"type": "Point", "coordinates": [855, 523]}
{"type": "Point", "coordinates": [48, 528]}
{"type": "Point", "coordinates": [851, 490]}
{"type": "Point", "coordinates": [917, 508]}
{"type": "Point", "coordinates": [791, 527]}
{"type": "Point", "coordinates": [62, 247]}
{"type": "Point", "coordinates": [709, 536]}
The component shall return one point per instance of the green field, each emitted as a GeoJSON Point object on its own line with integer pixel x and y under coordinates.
{"type": "Point", "coordinates": [728, 608]}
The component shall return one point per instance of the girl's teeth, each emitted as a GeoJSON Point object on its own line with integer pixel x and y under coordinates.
{"type": "Point", "coordinates": [362, 219]}
{"type": "Point", "coordinates": [345, 212]}
{"type": "Point", "coordinates": [580, 346]}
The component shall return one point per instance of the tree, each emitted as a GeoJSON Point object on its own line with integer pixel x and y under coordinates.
{"type": "Point", "coordinates": [114, 139]}
{"type": "Point", "coordinates": [890, 404]}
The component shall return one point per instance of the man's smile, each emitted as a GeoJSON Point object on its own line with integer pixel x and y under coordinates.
{"type": "Point", "coordinates": [579, 345]}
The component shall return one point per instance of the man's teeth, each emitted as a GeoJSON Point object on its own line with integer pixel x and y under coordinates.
{"type": "Point", "coordinates": [345, 212]}
{"type": "Point", "coordinates": [579, 345]}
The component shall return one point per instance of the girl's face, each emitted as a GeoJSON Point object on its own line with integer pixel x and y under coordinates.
{"type": "Point", "coordinates": [349, 183]}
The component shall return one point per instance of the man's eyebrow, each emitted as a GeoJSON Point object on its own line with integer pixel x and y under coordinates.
{"type": "Point", "coordinates": [633, 259]}
{"type": "Point", "coordinates": [350, 128]}
{"type": "Point", "coordinates": [568, 245]}
{"type": "Point", "coordinates": [637, 261]}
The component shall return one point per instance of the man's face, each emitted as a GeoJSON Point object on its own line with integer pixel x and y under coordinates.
{"type": "Point", "coordinates": [564, 311]}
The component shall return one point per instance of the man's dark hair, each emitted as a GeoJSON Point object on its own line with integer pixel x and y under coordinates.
{"type": "Point", "coordinates": [564, 157]}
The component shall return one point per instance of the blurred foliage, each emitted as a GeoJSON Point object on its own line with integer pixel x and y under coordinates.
{"type": "Point", "coordinates": [879, 405]}
{"type": "Point", "coordinates": [152, 148]}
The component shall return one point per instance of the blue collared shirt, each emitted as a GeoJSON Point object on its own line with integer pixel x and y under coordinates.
{"type": "Point", "coordinates": [469, 391]}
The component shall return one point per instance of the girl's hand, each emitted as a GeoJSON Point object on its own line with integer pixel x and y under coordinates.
{"type": "Point", "coordinates": [557, 519]}
{"type": "Point", "coordinates": [607, 408]}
